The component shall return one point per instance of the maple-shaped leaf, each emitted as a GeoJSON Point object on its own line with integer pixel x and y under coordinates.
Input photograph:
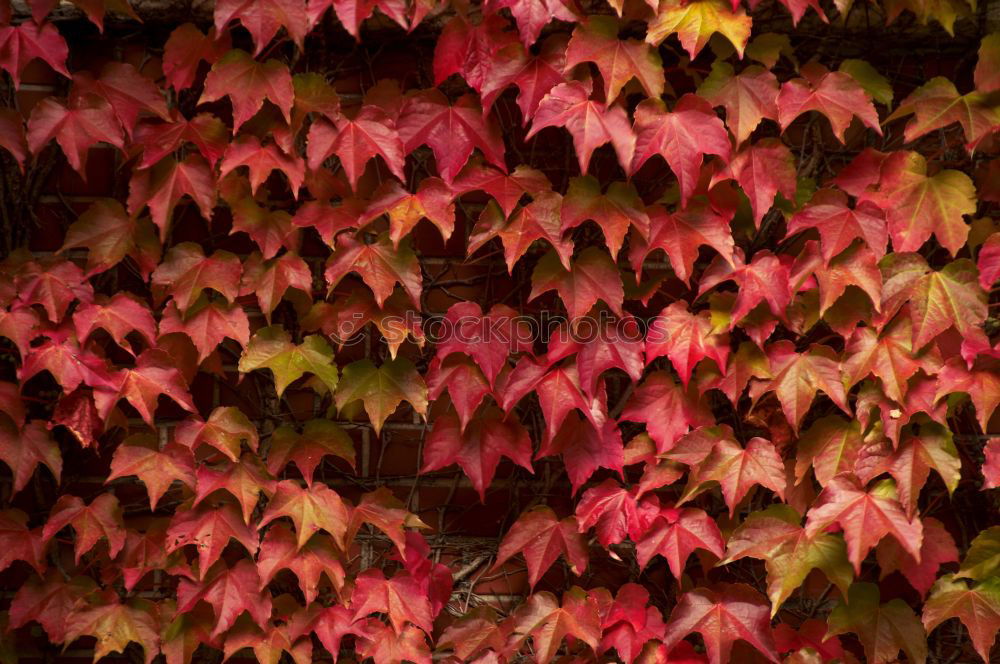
{"type": "Point", "coordinates": [381, 389]}
{"type": "Point", "coordinates": [585, 446]}
{"type": "Point", "coordinates": [356, 140]}
{"type": "Point", "coordinates": [452, 131]}
{"type": "Point", "coordinates": [883, 629]}
{"type": "Point", "coordinates": [25, 448]}
{"type": "Point", "coordinates": [978, 608]}
{"type": "Point", "coordinates": [264, 19]}
{"type": "Point", "coordinates": [268, 644]}
{"type": "Point", "coordinates": [117, 624]}
{"type": "Point", "coordinates": [796, 377]}
{"type": "Point", "coordinates": [466, 385]}
{"type": "Point", "coordinates": [938, 300]}
{"type": "Point", "coordinates": [675, 533]}
{"type": "Point", "coordinates": [839, 225]}
{"type": "Point", "coordinates": [629, 621]}
{"type": "Point", "coordinates": [272, 348]}
{"type": "Point", "coordinates": [140, 455]}
{"type": "Point", "coordinates": [162, 187]}
{"type": "Point", "coordinates": [208, 323]}
{"type": "Point", "coordinates": [127, 91]}
{"type": "Point", "coordinates": [22, 43]}
{"type": "Point", "coordinates": [184, 50]}
{"type": "Point", "coordinates": [380, 508]}
{"type": "Point", "coordinates": [20, 543]}
{"type": "Point", "coordinates": [615, 511]}
{"type": "Point", "coordinates": [547, 622]}
{"type": "Point", "coordinates": [50, 601]}
{"type": "Point", "coordinates": [602, 345]}
{"type": "Point", "coordinates": [738, 469]}
{"type": "Point", "coordinates": [472, 50]}
{"type": "Point", "coordinates": [379, 264]}
{"type": "Point", "coordinates": [532, 16]}
{"type": "Point", "coordinates": [248, 83]}
{"type": "Point", "coordinates": [866, 516]}
{"type": "Point", "coordinates": [591, 277]}
{"type": "Point", "coordinates": [619, 61]}
{"type": "Point", "coordinates": [937, 104]}
{"type": "Point", "coordinates": [76, 129]}
{"type": "Point", "coordinates": [541, 219]}
{"type": "Point", "coordinates": [119, 316]}
{"type": "Point", "coordinates": [857, 266]}
{"type": "Point", "coordinates": [270, 280]}
{"type": "Point", "coordinates": [52, 283]}
{"type": "Point", "coordinates": [762, 169]}
{"type": "Point", "coordinates": [472, 633]}
{"type": "Point", "coordinates": [533, 74]}
{"type": "Point", "coordinates": [722, 614]}
{"type": "Point", "coordinates": [685, 339]}
{"type": "Point", "coordinates": [159, 139]}
{"type": "Point", "coordinates": [937, 549]}
{"type": "Point", "coordinates": [146, 552]}
{"type": "Point", "coordinates": [489, 338]}
{"type": "Point", "coordinates": [981, 383]}
{"type": "Point", "coordinates": [271, 230]}
{"type": "Point", "coordinates": [830, 447]}
{"type": "Point", "coordinates": [311, 509]}
{"type": "Point", "coordinates": [748, 97]}
{"type": "Point", "coordinates": [542, 537]}
{"type": "Point", "coordinates": [668, 410]}
{"type": "Point", "coordinates": [506, 189]}
{"type": "Point", "coordinates": [319, 438]}
{"type": "Point", "coordinates": [615, 211]}
{"type": "Point", "coordinates": [153, 375]}
{"type": "Point", "coordinates": [245, 480]}
{"type": "Point", "coordinates": [383, 644]}
{"type": "Point", "coordinates": [590, 123]}
{"type": "Point", "coordinates": [912, 460]}
{"type": "Point", "coordinates": [835, 94]}
{"type": "Point", "coordinates": [559, 391]}
{"type": "Point", "coordinates": [917, 205]}
{"type": "Point", "coordinates": [776, 536]}
{"type": "Point", "coordinates": [230, 591]}
{"type": "Point", "coordinates": [279, 550]}
{"type": "Point", "coordinates": [399, 597]}
{"type": "Point", "coordinates": [209, 529]}
{"type": "Point", "coordinates": [682, 137]}
{"type": "Point", "coordinates": [260, 160]}
{"type": "Point", "coordinates": [227, 427]}
{"type": "Point", "coordinates": [680, 234]}
{"type": "Point", "coordinates": [478, 447]}
{"type": "Point", "coordinates": [764, 279]}
{"type": "Point", "coordinates": [346, 319]}
{"type": "Point", "coordinates": [102, 518]}
{"type": "Point", "coordinates": [433, 200]}
{"type": "Point", "coordinates": [695, 22]}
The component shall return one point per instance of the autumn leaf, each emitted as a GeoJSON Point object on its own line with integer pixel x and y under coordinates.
{"type": "Point", "coordinates": [140, 456]}
{"type": "Point", "coordinates": [619, 61]}
{"type": "Point", "coordinates": [722, 615]}
{"type": "Point", "coordinates": [379, 264]}
{"type": "Point", "coordinates": [248, 83]}
{"type": "Point", "coordinates": [272, 348]}
{"type": "Point", "coordinates": [883, 629]}
{"type": "Point", "coordinates": [695, 22]}
{"type": "Point", "coordinates": [835, 94]}
{"type": "Point", "coordinates": [591, 277]}
{"type": "Point", "coordinates": [978, 608]}
{"type": "Point", "coordinates": [381, 389]}
{"type": "Point", "coordinates": [542, 537]}
{"type": "Point", "coordinates": [115, 625]}
{"type": "Point", "coordinates": [101, 519]}
{"type": "Point", "coordinates": [311, 509]}
{"type": "Point", "coordinates": [548, 622]}
{"type": "Point", "coordinates": [749, 97]}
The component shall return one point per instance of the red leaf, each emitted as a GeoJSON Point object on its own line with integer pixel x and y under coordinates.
{"type": "Point", "coordinates": [835, 94]}
{"type": "Point", "coordinates": [261, 160]}
{"type": "Point", "coordinates": [682, 137]}
{"type": "Point", "coordinates": [20, 44]}
{"type": "Point", "coordinates": [24, 449]}
{"type": "Point", "coordinates": [762, 170]}
{"type": "Point", "coordinates": [668, 411]}
{"type": "Point", "coordinates": [865, 516]}
{"type": "Point", "coordinates": [614, 211]}
{"type": "Point", "coordinates": [230, 591]}
{"type": "Point", "coordinates": [138, 455]}
{"type": "Point", "coordinates": [400, 597]}
{"type": "Point", "coordinates": [248, 83]}
{"type": "Point", "coordinates": [209, 530]}
{"type": "Point", "coordinates": [722, 615]}
{"type": "Point", "coordinates": [590, 123]}
{"type": "Point", "coordinates": [675, 534]}
{"type": "Point", "coordinates": [619, 61]}
{"type": "Point", "coordinates": [542, 537]}
{"type": "Point", "coordinates": [186, 48]}
{"type": "Point", "coordinates": [245, 480]}
{"type": "Point", "coordinates": [101, 519]}
{"type": "Point", "coordinates": [310, 509]}
{"type": "Point", "coordinates": [591, 277]}
{"type": "Point", "coordinates": [477, 448]}
{"type": "Point", "coordinates": [370, 133]}
{"type": "Point", "coordinates": [162, 187]}
{"type": "Point", "coordinates": [263, 19]}
{"type": "Point", "coordinates": [75, 129]}
{"type": "Point", "coordinates": [451, 131]}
